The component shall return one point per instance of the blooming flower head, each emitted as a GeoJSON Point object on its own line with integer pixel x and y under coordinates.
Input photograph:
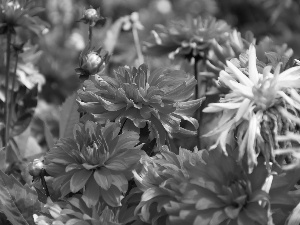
{"type": "Point", "coordinates": [160, 98]}
{"type": "Point", "coordinates": [98, 161]}
{"type": "Point", "coordinates": [20, 13]}
{"type": "Point", "coordinates": [188, 39]}
{"type": "Point", "coordinates": [75, 211]}
{"type": "Point", "coordinates": [251, 111]}
{"type": "Point", "coordinates": [91, 62]}
{"type": "Point", "coordinates": [201, 187]}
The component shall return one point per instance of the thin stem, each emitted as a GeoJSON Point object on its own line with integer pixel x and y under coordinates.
{"type": "Point", "coordinates": [137, 45]}
{"type": "Point", "coordinates": [122, 126]}
{"type": "Point", "coordinates": [202, 93]}
{"type": "Point", "coordinates": [12, 103]}
{"type": "Point", "coordinates": [196, 78]}
{"type": "Point", "coordinates": [44, 183]}
{"type": "Point", "coordinates": [196, 97]}
{"type": "Point", "coordinates": [90, 35]}
{"type": "Point", "coordinates": [6, 112]}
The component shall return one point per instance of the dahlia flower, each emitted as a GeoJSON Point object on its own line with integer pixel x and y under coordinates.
{"type": "Point", "coordinates": [188, 39]}
{"type": "Point", "coordinates": [251, 110]}
{"type": "Point", "coordinates": [20, 13]}
{"type": "Point", "coordinates": [97, 160]}
{"type": "Point", "coordinates": [160, 98]}
{"type": "Point", "coordinates": [74, 211]}
{"type": "Point", "coordinates": [201, 187]}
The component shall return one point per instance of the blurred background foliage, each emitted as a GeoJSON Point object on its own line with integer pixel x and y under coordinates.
{"type": "Point", "coordinates": [62, 43]}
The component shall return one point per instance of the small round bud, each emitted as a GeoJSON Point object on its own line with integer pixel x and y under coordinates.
{"type": "Point", "coordinates": [91, 14]}
{"type": "Point", "coordinates": [35, 168]}
{"type": "Point", "coordinates": [92, 62]}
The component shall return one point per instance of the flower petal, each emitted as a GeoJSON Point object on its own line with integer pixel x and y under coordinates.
{"type": "Point", "coordinates": [79, 180]}
{"type": "Point", "coordinates": [103, 178]}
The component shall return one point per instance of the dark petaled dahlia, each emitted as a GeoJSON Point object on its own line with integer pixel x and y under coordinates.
{"type": "Point", "coordinates": [74, 211]}
{"type": "Point", "coordinates": [20, 13]}
{"type": "Point", "coordinates": [188, 39]}
{"type": "Point", "coordinates": [98, 161]}
{"type": "Point", "coordinates": [160, 98]}
{"type": "Point", "coordinates": [206, 188]}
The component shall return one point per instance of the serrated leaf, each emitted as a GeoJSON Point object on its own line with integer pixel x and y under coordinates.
{"type": "Point", "coordinates": [17, 202]}
{"type": "Point", "coordinates": [69, 117]}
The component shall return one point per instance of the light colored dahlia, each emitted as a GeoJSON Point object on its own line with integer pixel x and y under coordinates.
{"type": "Point", "coordinates": [98, 161]}
{"type": "Point", "coordinates": [160, 98]}
{"type": "Point", "coordinates": [201, 187]}
{"type": "Point", "coordinates": [251, 111]}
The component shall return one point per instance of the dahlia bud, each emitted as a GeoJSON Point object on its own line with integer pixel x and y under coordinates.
{"type": "Point", "coordinates": [92, 17]}
{"type": "Point", "coordinates": [92, 62]}
{"type": "Point", "coordinates": [35, 168]}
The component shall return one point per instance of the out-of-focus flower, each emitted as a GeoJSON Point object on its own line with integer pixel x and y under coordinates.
{"type": "Point", "coordinates": [92, 17]}
{"type": "Point", "coordinates": [188, 39]}
{"type": "Point", "coordinates": [98, 161]}
{"type": "Point", "coordinates": [251, 110]}
{"type": "Point", "coordinates": [74, 211]}
{"type": "Point", "coordinates": [20, 13]}
{"type": "Point", "coordinates": [201, 187]}
{"type": "Point", "coordinates": [92, 62]}
{"type": "Point", "coordinates": [132, 21]}
{"type": "Point", "coordinates": [160, 98]}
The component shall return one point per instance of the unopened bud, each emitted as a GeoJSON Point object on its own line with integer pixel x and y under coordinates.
{"type": "Point", "coordinates": [91, 14]}
{"type": "Point", "coordinates": [35, 167]}
{"type": "Point", "coordinates": [92, 62]}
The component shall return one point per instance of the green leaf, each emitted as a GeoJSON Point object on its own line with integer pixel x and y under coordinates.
{"type": "Point", "coordinates": [69, 117]}
{"type": "Point", "coordinates": [18, 202]}
{"type": "Point", "coordinates": [48, 136]}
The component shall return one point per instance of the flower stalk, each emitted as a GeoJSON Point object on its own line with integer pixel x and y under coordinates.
{"type": "Point", "coordinates": [44, 182]}
{"type": "Point", "coordinates": [7, 89]}
{"type": "Point", "coordinates": [137, 45]}
{"type": "Point", "coordinates": [90, 36]}
{"type": "Point", "coordinates": [12, 102]}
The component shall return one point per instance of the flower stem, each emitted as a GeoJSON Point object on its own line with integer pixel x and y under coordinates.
{"type": "Point", "coordinates": [202, 93]}
{"type": "Point", "coordinates": [196, 97]}
{"type": "Point", "coordinates": [120, 132]}
{"type": "Point", "coordinates": [90, 36]}
{"type": "Point", "coordinates": [44, 183]}
{"type": "Point", "coordinates": [12, 103]}
{"type": "Point", "coordinates": [6, 111]}
{"type": "Point", "coordinates": [137, 45]}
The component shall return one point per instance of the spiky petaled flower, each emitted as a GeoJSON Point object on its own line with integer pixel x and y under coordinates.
{"type": "Point", "coordinates": [251, 112]}
{"type": "Point", "coordinates": [188, 39]}
{"type": "Point", "coordinates": [92, 17]}
{"type": "Point", "coordinates": [160, 98]}
{"type": "Point", "coordinates": [98, 161]}
{"type": "Point", "coordinates": [201, 187]}
{"type": "Point", "coordinates": [92, 62]}
{"type": "Point", "coordinates": [20, 13]}
{"type": "Point", "coordinates": [75, 211]}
